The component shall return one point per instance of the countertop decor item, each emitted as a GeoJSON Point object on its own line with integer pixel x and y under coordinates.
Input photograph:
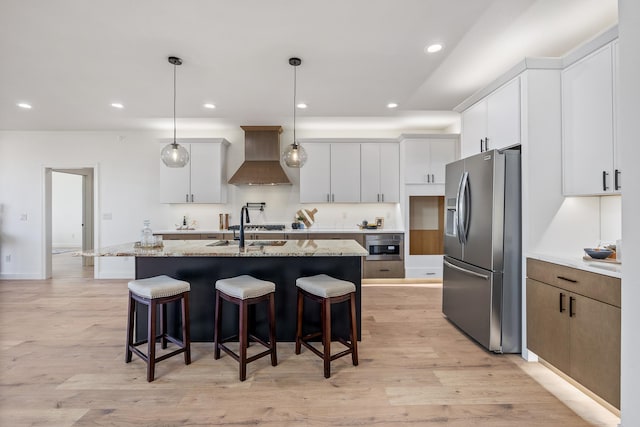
{"type": "Point", "coordinates": [308, 216]}
{"type": "Point", "coordinates": [598, 253]}
{"type": "Point", "coordinates": [174, 155]}
{"type": "Point", "coordinates": [295, 156]}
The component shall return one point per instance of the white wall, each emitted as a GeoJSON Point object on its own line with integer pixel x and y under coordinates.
{"type": "Point", "coordinates": [66, 210]}
{"type": "Point", "coordinates": [629, 31]}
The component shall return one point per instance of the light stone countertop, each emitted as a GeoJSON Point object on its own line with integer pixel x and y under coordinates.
{"type": "Point", "coordinates": [311, 230]}
{"type": "Point", "coordinates": [224, 248]}
{"type": "Point", "coordinates": [607, 269]}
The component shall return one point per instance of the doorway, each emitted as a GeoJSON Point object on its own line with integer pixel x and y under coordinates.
{"type": "Point", "coordinates": [69, 221]}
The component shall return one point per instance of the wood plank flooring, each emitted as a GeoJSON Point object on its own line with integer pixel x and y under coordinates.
{"type": "Point", "coordinates": [62, 364]}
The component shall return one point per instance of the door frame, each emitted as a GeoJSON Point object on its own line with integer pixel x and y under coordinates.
{"type": "Point", "coordinates": [90, 233]}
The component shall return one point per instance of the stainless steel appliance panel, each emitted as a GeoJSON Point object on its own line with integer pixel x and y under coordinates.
{"type": "Point", "coordinates": [471, 300]}
{"type": "Point", "coordinates": [384, 247]}
{"type": "Point", "coordinates": [484, 208]}
{"type": "Point", "coordinates": [452, 244]}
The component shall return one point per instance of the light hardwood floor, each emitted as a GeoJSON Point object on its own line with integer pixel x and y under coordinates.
{"type": "Point", "coordinates": [62, 364]}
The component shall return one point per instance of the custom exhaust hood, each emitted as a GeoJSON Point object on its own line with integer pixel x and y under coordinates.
{"type": "Point", "coordinates": [261, 158]}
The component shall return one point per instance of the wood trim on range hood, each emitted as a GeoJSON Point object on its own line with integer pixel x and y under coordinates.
{"type": "Point", "coordinates": [261, 158]}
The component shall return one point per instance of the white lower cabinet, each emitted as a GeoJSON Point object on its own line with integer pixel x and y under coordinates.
{"type": "Point", "coordinates": [202, 180]}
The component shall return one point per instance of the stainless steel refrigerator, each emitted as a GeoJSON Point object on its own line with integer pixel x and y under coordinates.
{"type": "Point", "coordinates": [482, 244]}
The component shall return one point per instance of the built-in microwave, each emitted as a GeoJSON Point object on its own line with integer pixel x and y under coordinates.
{"type": "Point", "coordinates": [384, 246]}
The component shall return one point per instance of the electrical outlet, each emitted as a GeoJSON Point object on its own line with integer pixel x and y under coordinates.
{"type": "Point", "coordinates": [23, 217]}
{"type": "Point", "coordinates": [107, 216]}
{"type": "Point", "coordinates": [7, 258]}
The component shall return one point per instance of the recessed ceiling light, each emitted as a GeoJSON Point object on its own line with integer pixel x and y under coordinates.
{"type": "Point", "coordinates": [302, 105]}
{"type": "Point", "coordinates": [209, 106]}
{"type": "Point", "coordinates": [433, 48]}
{"type": "Point", "coordinates": [24, 105]}
{"type": "Point", "coordinates": [117, 105]}
{"type": "Point", "coordinates": [392, 105]}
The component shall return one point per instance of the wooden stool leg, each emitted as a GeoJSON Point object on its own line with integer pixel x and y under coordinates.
{"type": "Point", "coordinates": [326, 336]}
{"type": "Point", "coordinates": [151, 340]}
{"type": "Point", "coordinates": [186, 336]}
{"type": "Point", "coordinates": [163, 325]}
{"type": "Point", "coordinates": [217, 327]}
{"type": "Point", "coordinates": [242, 338]}
{"type": "Point", "coordinates": [353, 329]}
{"type": "Point", "coordinates": [299, 322]}
{"type": "Point", "coordinates": [130, 322]}
{"type": "Point", "coordinates": [272, 329]}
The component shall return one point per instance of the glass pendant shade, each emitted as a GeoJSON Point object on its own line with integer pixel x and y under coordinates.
{"type": "Point", "coordinates": [295, 156]}
{"type": "Point", "coordinates": [174, 155]}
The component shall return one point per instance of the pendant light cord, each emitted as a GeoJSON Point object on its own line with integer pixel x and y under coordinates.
{"type": "Point", "coordinates": [295, 141]}
{"type": "Point", "coordinates": [174, 103]}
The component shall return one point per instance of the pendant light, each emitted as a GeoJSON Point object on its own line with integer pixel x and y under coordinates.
{"type": "Point", "coordinates": [295, 155]}
{"type": "Point", "coordinates": [174, 155]}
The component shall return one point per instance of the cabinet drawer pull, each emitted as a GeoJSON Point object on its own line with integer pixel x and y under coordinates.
{"type": "Point", "coordinates": [481, 145]}
{"type": "Point", "coordinates": [567, 279]}
{"type": "Point", "coordinates": [562, 309]}
{"type": "Point", "coordinates": [616, 180]}
{"type": "Point", "coordinates": [384, 269]}
{"type": "Point", "coordinates": [572, 303]}
{"type": "Point", "coordinates": [604, 181]}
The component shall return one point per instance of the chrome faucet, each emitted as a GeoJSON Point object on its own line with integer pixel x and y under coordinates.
{"type": "Point", "coordinates": [245, 210]}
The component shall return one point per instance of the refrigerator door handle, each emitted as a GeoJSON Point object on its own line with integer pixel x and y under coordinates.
{"type": "Point", "coordinates": [463, 212]}
{"type": "Point", "coordinates": [464, 270]}
{"type": "Point", "coordinates": [458, 223]}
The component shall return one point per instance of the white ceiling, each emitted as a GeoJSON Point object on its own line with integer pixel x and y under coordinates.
{"type": "Point", "coordinates": [71, 59]}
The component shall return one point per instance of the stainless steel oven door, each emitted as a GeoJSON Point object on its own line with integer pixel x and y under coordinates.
{"type": "Point", "coordinates": [384, 247]}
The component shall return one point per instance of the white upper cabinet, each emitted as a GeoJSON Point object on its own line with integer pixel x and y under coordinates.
{"type": "Point", "coordinates": [588, 132]}
{"type": "Point", "coordinates": [331, 174]}
{"type": "Point", "coordinates": [494, 121]}
{"type": "Point", "coordinates": [426, 158]}
{"type": "Point", "coordinates": [380, 172]}
{"type": "Point", "coordinates": [202, 180]}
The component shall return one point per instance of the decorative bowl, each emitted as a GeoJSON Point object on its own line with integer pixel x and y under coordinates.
{"type": "Point", "coordinates": [598, 253]}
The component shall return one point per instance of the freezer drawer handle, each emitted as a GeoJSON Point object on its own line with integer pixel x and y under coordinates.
{"type": "Point", "coordinates": [568, 280]}
{"type": "Point", "coordinates": [464, 270]}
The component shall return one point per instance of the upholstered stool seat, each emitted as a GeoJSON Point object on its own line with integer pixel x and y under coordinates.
{"type": "Point", "coordinates": [245, 291]}
{"type": "Point", "coordinates": [327, 290]}
{"type": "Point", "coordinates": [157, 292]}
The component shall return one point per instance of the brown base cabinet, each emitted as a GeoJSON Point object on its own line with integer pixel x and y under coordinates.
{"type": "Point", "coordinates": [573, 323]}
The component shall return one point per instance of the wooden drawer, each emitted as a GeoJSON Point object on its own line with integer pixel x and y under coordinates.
{"type": "Point", "coordinates": [383, 269]}
{"type": "Point", "coordinates": [358, 237]}
{"type": "Point", "coordinates": [597, 286]}
{"type": "Point", "coordinates": [217, 236]}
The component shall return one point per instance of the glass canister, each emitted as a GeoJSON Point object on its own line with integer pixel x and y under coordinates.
{"type": "Point", "coordinates": [146, 237]}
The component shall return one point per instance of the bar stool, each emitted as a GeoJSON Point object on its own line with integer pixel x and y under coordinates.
{"type": "Point", "coordinates": [327, 290]}
{"type": "Point", "coordinates": [153, 292]}
{"type": "Point", "coordinates": [245, 291]}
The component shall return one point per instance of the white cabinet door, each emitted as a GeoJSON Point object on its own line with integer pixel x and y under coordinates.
{"type": "Point", "coordinates": [206, 178]}
{"type": "Point", "coordinates": [493, 122]}
{"type": "Point", "coordinates": [315, 175]}
{"type": "Point", "coordinates": [503, 116]}
{"type": "Point", "coordinates": [380, 173]}
{"type": "Point", "coordinates": [442, 151]}
{"type": "Point", "coordinates": [425, 160]}
{"type": "Point", "coordinates": [587, 125]}
{"type": "Point", "coordinates": [474, 128]}
{"type": "Point", "coordinates": [345, 172]}
{"type": "Point", "coordinates": [370, 173]}
{"type": "Point", "coordinates": [202, 180]}
{"type": "Point", "coordinates": [174, 182]}
{"type": "Point", "coordinates": [389, 173]}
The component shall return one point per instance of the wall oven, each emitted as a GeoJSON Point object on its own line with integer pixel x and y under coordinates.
{"type": "Point", "coordinates": [384, 247]}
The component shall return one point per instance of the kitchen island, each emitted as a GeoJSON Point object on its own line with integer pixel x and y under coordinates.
{"type": "Point", "coordinates": [202, 262]}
